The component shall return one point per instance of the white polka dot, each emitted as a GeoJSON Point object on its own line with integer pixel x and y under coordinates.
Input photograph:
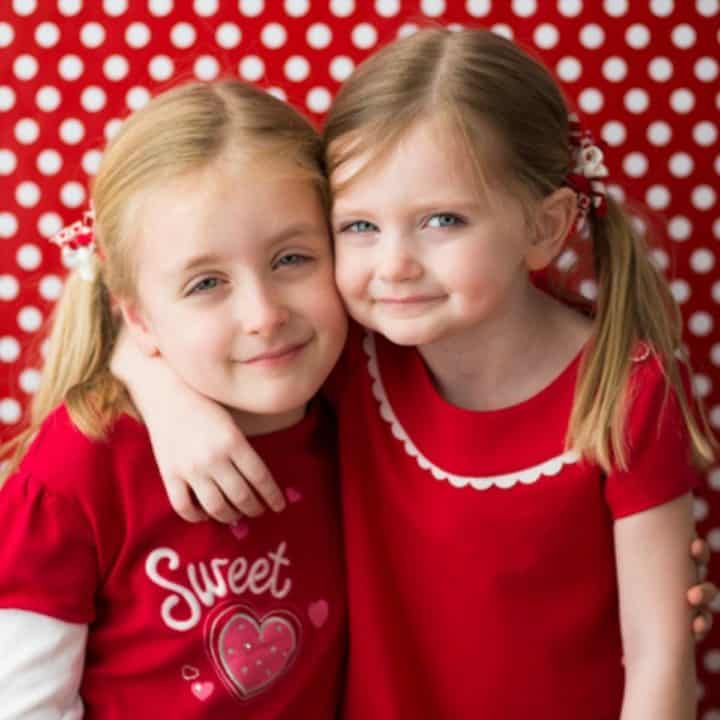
{"type": "Point", "coordinates": [364, 36]}
{"type": "Point", "coordinates": [228, 35]}
{"type": "Point", "coordinates": [714, 476]}
{"type": "Point", "coordinates": [681, 164]}
{"type": "Point", "coordinates": [637, 100]}
{"type": "Point", "coordinates": [342, 8]}
{"type": "Point", "coordinates": [635, 164]}
{"type": "Point", "coordinates": [615, 8]}
{"type": "Point", "coordinates": [716, 292]}
{"type": "Point", "coordinates": [72, 194]}
{"type": "Point", "coordinates": [433, 8]}
{"type": "Point", "coordinates": [716, 229]}
{"type": "Point", "coordinates": [616, 193]}
{"type": "Point", "coordinates": [569, 69]}
{"type": "Point", "coordinates": [592, 36]}
{"type": "Point", "coordinates": [680, 291]}
{"type": "Point", "coordinates": [661, 8]}
{"type": "Point", "coordinates": [7, 34]}
{"type": "Point", "coordinates": [29, 380]}
{"type": "Point", "coordinates": [679, 228]}
{"type": "Point", "coordinates": [503, 30]}
{"type": "Point", "coordinates": [252, 68]}
{"type": "Point", "coordinates": [613, 133]}
{"type": "Point", "coordinates": [591, 100]}
{"type": "Point", "coordinates": [660, 69]}
{"type": "Point", "coordinates": [273, 36]}
{"type": "Point", "coordinates": [524, 8]}
{"type": "Point", "coordinates": [28, 256]}
{"type": "Point", "coordinates": [137, 35]}
{"type": "Point", "coordinates": [297, 8]}
{"type": "Point", "coordinates": [707, 8]}
{"type": "Point", "coordinates": [683, 36]}
{"type": "Point", "coordinates": [72, 131]}
{"type": "Point", "coordinates": [706, 69]}
{"type": "Point", "coordinates": [658, 197]}
{"type": "Point", "coordinates": [137, 97]}
{"type": "Point", "coordinates": [70, 67]}
{"type": "Point", "coordinates": [92, 35]}
{"type": "Point", "coordinates": [387, 8]}
{"type": "Point", "coordinates": [705, 133]}
{"type": "Point", "coordinates": [702, 261]}
{"type": "Point", "coordinates": [48, 98]}
{"type": "Point", "coordinates": [659, 258]}
{"type": "Point", "coordinates": [407, 29]}
{"type": "Point", "coordinates": [29, 319]}
{"type": "Point", "coordinates": [27, 131]}
{"type": "Point", "coordinates": [700, 508]}
{"type": "Point", "coordinates": [51, 287]}
{"type": "Point", "coordinates": [318, 99]}
{"type": "Point", "coordinates": [10, 411]}
{"type": "Point", "coordinates": [546, 36]}
{"type": "Point", "coordinates": [251, 8]}
{"type": "Point", "coordinates": [25, 67]}
{"type": "Point", "coordinates": [49, 223]}
{"type": "Point", "coordinates": [27, 194]}
{"type": "Point", "coordinates": [24, 7]}
{"type": "Point", "coordinates": [8, 162]}
{"type": "Point", "coordinates": [69, 7]}
{"type": "Point", "coordinates": [91, 161]}
{"type": "Point", "coordinates": [319, 36]}
{"type": "Point", "coordinates": [116, 67]}
{"type": "Point", "coordinates": [115, 8]}
{"type": "Point", "coordinates": [700, 323]}
{"type": "Point", "coordinates": [9, 349]}
{"type": "Point", "coordinates": [614, 69]}
{"type": "Point", "coordinates": [703, 197]}
{"type": "Point", "coordinates": [637, 36]}
{"type": "Point", "coordinates": [161, 68]}
{"type": "Point", "coordinates": [8, 225]}
{"type": "Point", "coordinates": [93, 98]}
{"type": "Point", "coordinates": [49, 162]}
{"type": "Point", "coordinates": [277, 92]}
{"type": "Point", "coordinates": [160, 8]}
{"type": "Point", "coordinates": [341, 68]}
{"type": "Point", "coordinates": [589, 289]}
{"type": "Point", "coordinates": [659, 133]}
{"type": "Point", "coordinates": [296, 68]}
{"type": "Point", "coordinates": [206, 8]}
{"type": "Point", "coordinates": [206, 68]}
{"type": "Point", "coordinates": [7, 98]}
{"type": "Point", "coordinates": [9, 287]}
{"type": "Point", "coordinates": [714, 416]}
{"type": "Point", "coordinates": [183, 35]}
{"type": "Point", "coordinates": [47, 34]}
{"type": "Point", "coordinates": [478, 8]}
{"type": "Point", "coordinates": [570, 8]}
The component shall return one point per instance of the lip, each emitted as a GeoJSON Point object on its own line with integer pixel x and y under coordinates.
{"type": "Point", "coordinates": [409, 300]}
{"type": "Point", "coordinates": [279, 355]}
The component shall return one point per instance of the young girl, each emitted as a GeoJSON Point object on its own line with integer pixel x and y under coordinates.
{"type": "Point", "coordinates": [516, 476]}
{"type": "Point", "coordinates": [211, 239]}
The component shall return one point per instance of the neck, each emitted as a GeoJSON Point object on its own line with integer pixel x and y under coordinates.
{"type": "Point", "coordinates": [253, 424]}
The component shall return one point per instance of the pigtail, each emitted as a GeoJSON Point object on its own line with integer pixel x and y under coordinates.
{"type": "Point", "coordinates": [634, 304]}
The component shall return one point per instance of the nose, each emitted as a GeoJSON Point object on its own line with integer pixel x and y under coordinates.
{"type": "Point", "coordinates": [398, 263]}
{"type": "Point", "coordinates": [261, 311]}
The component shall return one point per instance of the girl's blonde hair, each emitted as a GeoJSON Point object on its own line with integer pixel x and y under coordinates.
{"type": "Point", "coordinates": [181, 131]}
{"type": "Point", "coordinates": [487, 89]}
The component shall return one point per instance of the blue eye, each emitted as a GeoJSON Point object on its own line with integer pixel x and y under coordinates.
{"type": "Point", "coordinates": [291, 259]}
{"type": "Point", "coordinates": [205, 285]}
{"type": "Point", "coordinates": [359, 226]}
{"type": "Point", "coordinates": [441, 220]}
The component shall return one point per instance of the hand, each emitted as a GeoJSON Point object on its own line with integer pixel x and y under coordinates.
{"type": "Point", "coordinates": [701, 596]}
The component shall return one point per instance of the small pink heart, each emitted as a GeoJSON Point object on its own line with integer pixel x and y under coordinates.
{"type": "Point", "coordinates": [240, 529]}
{"type": "Point", "coordinates": [318, 613]}
{"type": "Point", "coordinates": [293, 495]}
{"type": "Point", "coordinates": [202, 690]}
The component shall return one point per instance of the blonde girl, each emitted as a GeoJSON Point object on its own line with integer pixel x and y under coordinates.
{"type": "Point", "coordinates": [516, 474]}
{"type": "Point", "coordinates": [210, 241]}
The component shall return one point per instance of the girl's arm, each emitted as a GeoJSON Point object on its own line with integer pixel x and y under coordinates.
{"type": "Point", "coordinates": [41, 667]}
{"type": "Point", "coordinates": [204, 460]}
{"type": "Point", "coordinates": [653, 573]}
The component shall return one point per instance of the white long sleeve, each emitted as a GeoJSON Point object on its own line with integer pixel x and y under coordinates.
{"type": "Point", "coordinates": [41, 667]}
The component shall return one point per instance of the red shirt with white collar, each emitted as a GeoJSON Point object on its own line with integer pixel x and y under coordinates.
{"type": "Point", "coordinates": [480, 558]}
{"type": "Point", "coordinates": [185, 620]}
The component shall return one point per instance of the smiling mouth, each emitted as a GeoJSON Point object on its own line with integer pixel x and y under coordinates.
{"type": "Point", "coordinates": [271, 356]}
{"type": "Point", "coordinates": [410, 300]}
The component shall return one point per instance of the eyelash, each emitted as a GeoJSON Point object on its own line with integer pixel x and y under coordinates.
{"type": "Point", "coordinates": [457, 220]}
{"type": "Point", "coordinates": [371, 227]}
{"type": "Point", "coordinates": [198, 289]}
{"type": "Point", "coordinates": [298, 259]}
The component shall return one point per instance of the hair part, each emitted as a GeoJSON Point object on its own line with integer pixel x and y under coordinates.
{"type": "Point", "coordinates": [512, 119]}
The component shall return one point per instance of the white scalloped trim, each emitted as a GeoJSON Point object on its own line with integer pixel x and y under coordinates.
{"type": "Point", "coordinates": [527, 476]}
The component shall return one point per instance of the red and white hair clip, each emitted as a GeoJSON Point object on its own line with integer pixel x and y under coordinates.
{"type": "Point", "coordinates": [588, 172]}
{"type": "Point", "coordinates": [77, 243]}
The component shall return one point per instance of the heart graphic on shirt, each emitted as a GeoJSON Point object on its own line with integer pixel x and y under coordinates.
{"type": "Point", "coordinates": [318, 613]}
{"type": "Point", "coordinates": [293, 495]}
{"type": "Point", "coordinates": [251, 654]}
{"type": "Point", "coordinates": [202, 690]}
{"type": "Point", "coordinates": [240, 529]}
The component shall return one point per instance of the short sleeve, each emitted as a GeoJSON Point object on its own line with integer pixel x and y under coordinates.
{"type": "Point", "coordinates": [660, 468]}
{"type": "Point", "coordinates": [48, 561]}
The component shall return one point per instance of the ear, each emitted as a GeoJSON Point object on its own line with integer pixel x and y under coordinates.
{"type": "Point", "coordinates": [554, 221]}
{"type": "Point", "coordinates": [138, 327]}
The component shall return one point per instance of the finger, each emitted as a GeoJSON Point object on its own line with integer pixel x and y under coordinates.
{"type": "Point", "coordinates": [236, 490]}
{"type": "Point", "coordinates": [700, 551]}
{"type": "Point", "coordinates": [701, 625]}
{"type": "Point", "coordinates": [213, 501]}
{"type": "Point", "coordinates": [702, 595]}
{"type": "Point", "coordinates": [183, 501]}
{"type": "Point", "coordinates": [255, 472]}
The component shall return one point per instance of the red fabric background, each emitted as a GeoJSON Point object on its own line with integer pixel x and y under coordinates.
{"type": "Point", "coordinates": [644, 76]}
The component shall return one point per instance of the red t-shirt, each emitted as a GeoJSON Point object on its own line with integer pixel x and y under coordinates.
{"type": "Point", "coordinates": [480, 560]}
{"type": "Point", "coordinates": [185, 620]}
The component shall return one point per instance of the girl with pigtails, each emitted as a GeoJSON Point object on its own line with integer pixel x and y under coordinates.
{"type": "Point", "coordinates": [112, 606]}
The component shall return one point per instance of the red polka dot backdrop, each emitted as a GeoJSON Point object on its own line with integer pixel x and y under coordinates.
{"type": "Point", "coordinates": [644, 76]}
